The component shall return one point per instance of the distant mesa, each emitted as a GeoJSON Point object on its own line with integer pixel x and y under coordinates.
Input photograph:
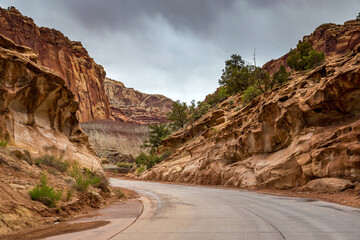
{"type": "Point", "coordinates": [129, 105]}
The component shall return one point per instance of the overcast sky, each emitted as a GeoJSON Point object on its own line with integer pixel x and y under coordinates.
{"type": "Point", "coordinates": [178, 47]}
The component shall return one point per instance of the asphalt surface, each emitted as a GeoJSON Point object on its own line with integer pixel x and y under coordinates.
{"type": "Point", "coordinates": [190, 212]}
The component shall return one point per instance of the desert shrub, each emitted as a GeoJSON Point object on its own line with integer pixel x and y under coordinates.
{"type": "Point", "coordinates": [250, 93]}
{"type": "Point", "coordinates": [147, 160]}
{"type": "Point", "coordinates": [304, 57]}
{"type": "Point", "coordinates": [166, 155]}
{"type": "Point", "coordinates": [44, 193]}
{"type": "Point", "coordinates": [85, 178]}
{"type": "Point", "coordinates": [231, 101]}
{"type": "Point", "coordinates": [281, 76]}
{"type": "Point", "coordinates": [69, 194]}
{"type": "Point", "coordinates": [358, 17]}
{"type": "Point", "coordinates": [124, 165]}
{"type": "Point", "coordinates": [178, 115]}
{"type": "Point", "coordinates": [235, 75]}
{"type": "Point", "coordinates": [199, 110]}
{"type": "Point", "coordinates": [238, 76]}
{"type": "Point", "coordinates": [119, 193]}
{"type": "Point", "coordinates": [219, 95]}
{"type": "Point", "coordinates": [3, 143]}
{"type": "Point", "coordinates": [52, 161]}
{"type": "Point", "coordinates": [157, 132]}
{"type": "Point", "coordinates": [140, 170]}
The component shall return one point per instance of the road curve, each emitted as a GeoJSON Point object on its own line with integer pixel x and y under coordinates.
{"type": "Point", "coordinates": [192, 212]}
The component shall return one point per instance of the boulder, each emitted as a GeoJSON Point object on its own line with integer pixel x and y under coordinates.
{"type": "Point", "coordinates": [328, 184]}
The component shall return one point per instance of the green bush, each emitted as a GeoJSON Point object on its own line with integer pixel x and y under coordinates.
{"type": "Point", "coordinates": [3, 143]}
{"type": "Point", "coordinates": [201, 109]}
{"type": "Point", "coordinates": [250, 93]}
{"type": "Point", "coordinates": [166, 155]}
{"type": "Point", "coordinates": [157, 132]}
{"type": "Point", "coordinates": [304, 57]}
{"type": "Point", "coordinates": [44, 193]}
{"type": "Point", "coordinates": [83, 179]}
{"type": "Point", "coordinates": [52, 161]}
{"type": "Point", "coordinates": [281, 76]}
{"type": "Point", "coordinates": [69, 194]}
{"type": "Point", "coordinates": [147, 160]}
{"type": "Point", "coordinates": [120, 193]}
{"type": "Point", "coordinates": [219, 95]}
{"type": "Point", "coordinates": [140, 170]}
{"type": "Point", "coordinates": [178, 115]}
{"type": "Point", "coordinates": [125, 165]}
{"type": "Point", "coordinates": [236, 75]}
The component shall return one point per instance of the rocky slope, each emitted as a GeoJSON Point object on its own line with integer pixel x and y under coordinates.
{"type": "Point", "coordinates": [37, 110]}
{"type": "Point", "coordinates": [308, 129]}
{"type": "Point", "coordinates": [68, 59]}
{"type": "Point", "coordinates": [332, 39]}
{"type": "Point", "coordinates": [129, 105]}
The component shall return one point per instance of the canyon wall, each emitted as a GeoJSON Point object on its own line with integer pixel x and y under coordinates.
{"type": "Point", "coordinates": [307, 129]}
{"type": "Point", "coordinates": [332, 39]}
{"type": "Point", "coordinates": [116, 141]}
{"type": "Point", "coordinates": [120, 140]}
{"type": "Point", "coordinates": [68, 59]}
{"type": "Point", "coordinates": [129, 105]}
{"type": "Point", "coordinates": [37, 110]}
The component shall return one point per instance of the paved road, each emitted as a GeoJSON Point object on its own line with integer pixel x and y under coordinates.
{"type": "Point", "coordinates": [187, 212]}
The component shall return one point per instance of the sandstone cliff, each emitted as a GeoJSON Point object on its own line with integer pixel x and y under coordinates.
{"type": "Point", "coordinates": [37, 110]}
{"type": "Point", "coordinates": [308, 129]}
{"type": "Point", "coordinates": [129, 105]}
{"type": "Point", "coordinates": [332, 39]}
{"type": "Point", "coordinates": [68, 59]}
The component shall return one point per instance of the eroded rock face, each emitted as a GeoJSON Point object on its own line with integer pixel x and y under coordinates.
{"type": "Point", "coordinates": [307, 129]}
{"type": "Point", "coordinates": [332, 39]}
{"type": "Point", "coordinates": [129, 105]}
{"type": "Point", "coordinates": [37, 110]}
{"type": "Point", "coordinates": [68, 59]}
{"type": "Point", "coordinates": [116, 141]}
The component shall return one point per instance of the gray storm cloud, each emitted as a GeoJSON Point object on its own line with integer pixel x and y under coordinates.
{"type": "Point", "coordinates": [178, 47]}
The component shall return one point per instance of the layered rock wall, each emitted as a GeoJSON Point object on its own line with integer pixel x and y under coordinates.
{"type": "Point", "coordinates": [68, 59]}
{"type": "Point", "coordinates": [116, 141]}
{"type": "Point", "coordinates": [37, 110]}
{"type": "Point", "coordinates": [129, 105]}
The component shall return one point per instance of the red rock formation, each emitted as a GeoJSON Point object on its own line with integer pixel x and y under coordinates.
{"type": "Point", "coordinates": [67, 58]}
{"type": "Point", "coordinates": [129, 105]}
{"type": "Point", "coordinates": [307, 129]}
{"type": "Point", "coordinates": [37, 110]}
{"type": "Point", "coordinates": [332, 39]}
